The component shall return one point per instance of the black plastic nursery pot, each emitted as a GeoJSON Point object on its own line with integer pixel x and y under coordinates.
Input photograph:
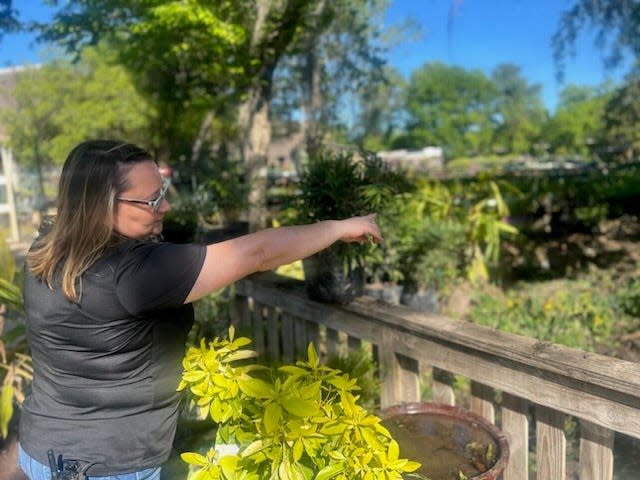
{"type": "Point", "coordinates": [328, 281]}
{"type": "Point", "coordinates": [448, 441]}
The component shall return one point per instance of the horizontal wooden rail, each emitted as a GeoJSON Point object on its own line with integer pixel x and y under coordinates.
{"type": "Point", "coordinates": [552, 381]}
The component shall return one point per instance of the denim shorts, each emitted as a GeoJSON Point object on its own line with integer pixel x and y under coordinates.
{"type": "Point", "coordinates": [37, 471]}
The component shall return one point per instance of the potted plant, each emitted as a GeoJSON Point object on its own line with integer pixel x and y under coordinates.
{"type": "Point", "coordinates": [422, 246]}
{"type": "Point", "coordinates": [297, 422]}
{"type": "Point", "coordinates": [338, 185]}
{"type": "Point", "coordinates": [436, 237]}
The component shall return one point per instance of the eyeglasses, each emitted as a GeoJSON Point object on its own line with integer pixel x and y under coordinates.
{"type": "Point", "coordinates": [155, 203]}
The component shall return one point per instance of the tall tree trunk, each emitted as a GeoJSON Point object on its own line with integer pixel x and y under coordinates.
{"type": "Point", "coordinates": [255, 128]}
{"type": "Point", "coordinates": [268, 45]}
{"type": "Point", "coordinates": [196, 149]}
{"type": "Point", "coordinates": [312, 101]}
{"type": "Point", "coordinates": [253, 120]}
{"type": "Point", "coordinates": [312, 98]}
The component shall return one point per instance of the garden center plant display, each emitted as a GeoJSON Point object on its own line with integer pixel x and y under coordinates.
{"type": "Point", "coordinates": [295, 422]}
{"type": "Point", "coordinates": [338, 185]}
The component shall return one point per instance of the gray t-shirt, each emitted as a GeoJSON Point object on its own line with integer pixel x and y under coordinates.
{"type": "Point", "coordinates": [106, 370]}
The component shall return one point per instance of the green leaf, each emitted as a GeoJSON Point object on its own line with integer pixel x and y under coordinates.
{"type": "Point", "coordinates": [272, 417]}
{"type": "Point", "coordinates": [211, 361]}
{"type": "Point", "coordinates": [330, 471]}
{"type": "Point", "coordinates": [292, 369]}
{"type": "Point", "coordinates": [202, 401]}
{"type": "Point", "coordinates": [229, 464]}
{"type": "Point", "coordinates": [313, 356]}
{"type": "Point", "coordinates": [299, 407]}
{"type": "Point", "coordinates": [298, 450]}
{"type": "Point", "coordinates": [284, 470]}
{"type": "Point", "coordinates": [411, 466]}
{"type": "Point", "coordinates": [232, 332]}
{"type": "Point", "coordinates": [240, 342]}
{"type": "Point", "coordinates": [393, 453]}
{"type": "Point", "coordinates": [217, 410]}
{"type": "Point", "coordinates": [369, 436]}
{"type": "Point", "coordinates": [333, 429]}
{"type": "Point", "coordinates": [6, 408]}
{"type": "Point", "coordinates": [11, 294]}
{"type": "Point", "coordinates": [382, 429]}
{"type": "Point", "coordinates": [240, 355]}
{"type": "Point", "coordinates": [254, 448]}
{"type": "Point", "coordinates": [256, 388]}
{"type": "Point", "coordinates": [202, 474]}
{"type": "Point", "coordinates": [193, 376]}
{"type": "Point", "coordinates": [505, 227]}
{"type": "Point", "coordinates": [311, 391]}
{"type": "Point", "coordinates": [7, 261]}
{"type": "Point", "coordinates": [193, 458]}
{"type": "Point", "coordinates": [343, 382]}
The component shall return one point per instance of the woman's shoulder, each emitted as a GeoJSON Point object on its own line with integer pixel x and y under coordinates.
{"type": "Point", "coordinates": [137, 252]}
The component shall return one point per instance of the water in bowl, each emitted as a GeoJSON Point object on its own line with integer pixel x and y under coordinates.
{"type": "Point", "coordinates": [445, 447]}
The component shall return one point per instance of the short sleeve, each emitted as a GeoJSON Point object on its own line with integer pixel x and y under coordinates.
{"type": "Point", "coordinates": [153, 276]}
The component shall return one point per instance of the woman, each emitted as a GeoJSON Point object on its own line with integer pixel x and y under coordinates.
{"type": "Point", "coordinates": [108, 311]}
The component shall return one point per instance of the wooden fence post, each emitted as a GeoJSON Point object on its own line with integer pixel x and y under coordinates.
{"type": "Point", "coordinates": [515, 424]}
{"type": "Point", "coordinates": [596, 452]}
{"type": "Point", "coordinates": [400, 376]}
{"type": "Point", "coordinates": [482, 401]}
{"type": "Point", "coordinates": [551, 444]}
{"type": "Point", "coordinates": [442, 382]}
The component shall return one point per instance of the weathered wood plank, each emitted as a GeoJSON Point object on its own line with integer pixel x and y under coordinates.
{"type": "Point", "coordinates": [289, 295]}
{"type": "Point", "coordinates": [273, 337]}
{"type": "Point", "coordinates": [563, 363]}
{"type": "Point", "coordinates": [300, 338]}
{"type": "Point", "coordinates": [596, 452]}
{"type": "Point", "coordinates": [313, 334]}
{"type": "Point", "coordinates": [286, 332]}
{"type": "Point", "coordinates": [515, 423]}
{"type": "Point", "coordinates": [257, 326]}
{"type": "Point", "coordinates": [333, 344]}
{"type": "Point", "coordinates": [241, 315]}
{"type": "Point", "coordinates": [482, 401]}
{"type": "Point", "coordinates": [600, 389]}
{"type": "Point", "coordinates": [577, 399]}
{"type": "Point", "coordinates": [551, 444]}
{"type": "Point", "coordinates": [442, 385]}
{"type": "Point", "coordinates": [353, 343]}
{"type": "Point", "coordinates": [401, 378]}
{"type": "Point", "coordinates": [388, 370]}
{"type": "Point", "coordinates": [620, 375]}
{"type": "Point", "coordinates": [409, 379]}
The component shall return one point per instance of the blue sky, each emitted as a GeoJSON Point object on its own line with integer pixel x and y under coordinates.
{"type": "Point", "coordinates": [474, 34]}
{"type": "Point", "coordinates": [481, 34]}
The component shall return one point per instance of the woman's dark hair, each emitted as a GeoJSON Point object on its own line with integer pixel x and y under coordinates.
{"type": "Point", "coordinates": [93, 176]}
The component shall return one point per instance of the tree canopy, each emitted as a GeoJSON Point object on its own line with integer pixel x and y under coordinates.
{"type": "Point", "coordinates": [213, 76]}
{"type": "Point", "coordinates": [616, 25]}
{"type": "Point", "coordinates": [578, 124]}
{"type": "Point", "coordinates": [451, 107]}
{"type": "Point", "coordinates": [8, 17]}
{"type": "Point", "coordinates": [59, 104]}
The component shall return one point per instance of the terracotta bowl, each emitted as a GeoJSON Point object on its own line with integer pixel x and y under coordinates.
{"type": "Point", "coordinates": [447, 440]}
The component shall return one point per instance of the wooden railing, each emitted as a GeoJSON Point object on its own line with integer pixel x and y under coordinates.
{"type": "Point", "coordinates": [513, 378]}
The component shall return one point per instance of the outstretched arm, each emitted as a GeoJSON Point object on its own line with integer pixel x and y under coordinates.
{"type": "Point", "coordinates": [229, 261]}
